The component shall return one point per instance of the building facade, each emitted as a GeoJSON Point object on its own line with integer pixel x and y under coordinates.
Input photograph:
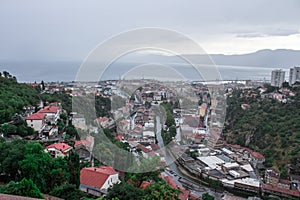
{"type": "Point", "coordinates": [277, 78]}
{"type": "Point", "coordinates": [36, 121]}
{"type": "Point", "coordinates": [294, 75]}
{"type": "Point", "coordinates": [96, 181]}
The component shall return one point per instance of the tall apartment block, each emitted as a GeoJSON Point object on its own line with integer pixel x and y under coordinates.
{"type": "Point", "coordinates": [277, 77]}
{"type": "Point", "coordinates": [294, 75]}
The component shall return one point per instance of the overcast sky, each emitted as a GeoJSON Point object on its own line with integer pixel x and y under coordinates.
{"type": "Point", "coordinates": [70, 29]}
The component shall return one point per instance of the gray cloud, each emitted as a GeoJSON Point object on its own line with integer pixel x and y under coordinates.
{"type": "Point", "coordinates": [276, 32]}
{"type": "Point", "coordinates": [69, 30]}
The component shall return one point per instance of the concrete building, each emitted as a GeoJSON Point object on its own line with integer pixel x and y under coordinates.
{"type": "Point", "coordinates": [277, 78]}
{"type": "Point", "coordinates": [294, 75]}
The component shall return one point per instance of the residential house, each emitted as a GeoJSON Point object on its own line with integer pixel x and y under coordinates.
{"type": "Point", "coordinates": [52, 112]}
{"type": "Point", "coordinates": [103, 121]}
{"type": "Point", "coordinates": [84, 148]}
{"type": "Point", "coordinates": [36, 121]}
{"type": "Point", "coordinates": [50, 130]}
{"type": "Point", "coordinates": [256, 158]}
{"type": "Point", "coordinates": [96, 181]}
{"type": "Point", "coordinates": [184, 194]}
{"type": "Point", "coordinates": [58, 149]}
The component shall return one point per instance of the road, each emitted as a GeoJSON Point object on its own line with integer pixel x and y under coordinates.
{"type": "Point", "coordinates": [176, 174]}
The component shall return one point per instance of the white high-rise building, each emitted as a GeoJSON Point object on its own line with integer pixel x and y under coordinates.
{"type": "Point", "coordinates": [277, 77]}
{"type": "Point", "coordinates": [294, 75]}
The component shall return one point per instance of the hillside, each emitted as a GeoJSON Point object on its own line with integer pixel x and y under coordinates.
{"type": "Point", "coordinates": [268, 126]}
{"type": "Point", "coordinates": [14, 96]}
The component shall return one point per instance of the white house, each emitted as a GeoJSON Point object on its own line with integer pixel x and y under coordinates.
{"type": "Point", "coordinates": [36, 121]}
{"type": "Point", "coordinates": [52, 112]}
{"type": "Point", "coordinates": [96, 181]}
{"type": "Point", "coordinates": [58, 149]}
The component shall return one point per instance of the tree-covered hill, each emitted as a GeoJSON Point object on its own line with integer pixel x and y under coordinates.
{"type": "Point", "coordinates": [14, 96]}
{"type": "Point", "coordinates": [268, 126]}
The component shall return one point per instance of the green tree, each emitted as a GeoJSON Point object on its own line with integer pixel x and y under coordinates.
{"type": "Point", "coordinates": [67, 191]}
{"type": "Point", "coordinates": [10, 154]}
{"type": "Point", "coordinates": [5, 74]}
{"type": "Point", "coordinates": [8, 129]}
{"type": "Point", "coordinates": [162, 191]}
{"type": "Point", "coordinates": [207, 196]}
{"type": "Point", "coordinates": [124, 191]}
{"type": "Point", "coordinates": [73, 168]}
{"type": "Point", "coordinates": [23, 188]}
{"type": "Point", "coordinates": [43, 85]}
{"type": "Point", "coordinates": [71, 130]}
{"type": "Point", "coordinates": [45, 171]}
{"type": "Point", "coordinates": [148, 104]}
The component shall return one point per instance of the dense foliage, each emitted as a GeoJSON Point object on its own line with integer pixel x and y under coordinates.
{"type": "Point", "coordinates": [207, 196]}
{"type": "Point", "coordinates": [23, 188]}
{"type": "Point", "coordinates": [159, 190]}
{"type": "Point", "coordinates": [268, 126]}
{"type": "Point", "coordinates": [14, 96]}
{"type": "Point", "coordinates": [170, 132]}
{"type": "Point", "coordinates": [21, 159]}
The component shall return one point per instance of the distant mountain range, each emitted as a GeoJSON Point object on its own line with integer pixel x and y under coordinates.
{"type": "Point", "coordinates": [257, 65]}
{"type": "Point", "coordinates": [280, 58]}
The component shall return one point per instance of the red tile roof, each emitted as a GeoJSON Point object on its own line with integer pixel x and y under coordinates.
{"type": "Point", "coordinates": [257, 155]}
{"type": "Point", "coordinates": [119, 137]}
{"type": "Point", "coordinates": [154, 147]}
{"type": "Point", "coordinates": [171, 182]}
{"type": "Point", "coordinates": [87, 142]}
{"type": "Point", "coordinates": [144, 184]}
{"type": "Point", "coordinates": [194, 197]}
{"type": "Point", "coordinates": [294, 193]}
{"type": "Point", "coordinates": [101, 119]}
{"type": "Point", "coordinates": [143, 148]}
{"type": "Point", "coordinates": [96, 177]}
{"type": "Point", "coordinates": [60, 146]}
{"type": "Point", "coordinates": [184, 195]}
{"type": "Point", "coordinates": [36, 116]}
{"type": "Point", "coordinates": [49, 109]}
